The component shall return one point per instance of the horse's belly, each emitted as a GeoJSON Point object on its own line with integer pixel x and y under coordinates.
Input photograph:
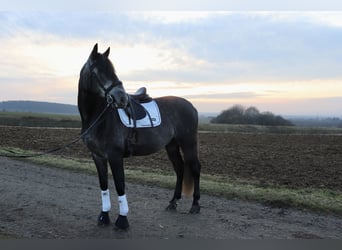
{"type": "Point", "coordinates": [149, 141]}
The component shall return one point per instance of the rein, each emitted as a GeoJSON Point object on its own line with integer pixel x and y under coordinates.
{"type": "Point", "coordinates": [110, 103]}
{"type": "Point", "coordinates": [56, 149]}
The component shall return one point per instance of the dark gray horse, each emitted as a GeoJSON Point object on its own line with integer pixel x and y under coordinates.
{"type": "Point", "coordinates": [100, 95]}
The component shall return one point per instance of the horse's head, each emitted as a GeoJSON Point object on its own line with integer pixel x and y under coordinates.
{"type": "Point", "coordinates": [98, 77]}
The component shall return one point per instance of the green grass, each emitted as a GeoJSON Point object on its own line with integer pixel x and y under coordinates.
{"type": "Point", "coordinates": [232, 128]}
{"type": "Point", "coordinates": [39, 120]}
{"type": "Point", "coordinates": [6, 236]}
{"type": "Point", "coordinates": [40, 115]}
{"type": "Point", "coordinates": [322, 200]}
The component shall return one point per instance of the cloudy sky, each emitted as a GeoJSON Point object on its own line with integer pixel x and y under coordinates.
{"type": "Point", "coordinates": [287, 62]}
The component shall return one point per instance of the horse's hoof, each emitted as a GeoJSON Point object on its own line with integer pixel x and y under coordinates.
{"type": "Point", "coordinates": [195, 209]}
{"type": "Point", "coordinates": [172, 207]}
{"type": "Point", "coordinates": [122, 222]}
{"type": "Point", "coordinates": [103, 219]}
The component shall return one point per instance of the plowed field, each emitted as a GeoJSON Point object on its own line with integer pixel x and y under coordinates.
{"type": "Point", "coordinates": [40, 202]}
{"type": "Point", "coordinates": [292, 160]}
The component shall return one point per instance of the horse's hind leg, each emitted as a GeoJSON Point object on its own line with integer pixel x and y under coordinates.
{"type": "Point", "coordinates": [192, 162]}
{"type": "Point", "coordinates": [102, 171]}
{"type": "Point", "coordinates": [178, 164]}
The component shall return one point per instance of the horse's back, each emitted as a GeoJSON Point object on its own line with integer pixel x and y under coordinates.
{"type": "Point", "coordinates": [175, 106]}
{"type": "Point", "coordinates": [179, 112]}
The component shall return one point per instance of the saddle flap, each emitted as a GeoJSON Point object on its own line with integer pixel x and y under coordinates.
{"type": "Point", "coordinates": [135, 110]}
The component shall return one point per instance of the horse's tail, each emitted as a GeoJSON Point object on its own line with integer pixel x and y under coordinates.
{"type": "Point", "coordinates": [188, 182]}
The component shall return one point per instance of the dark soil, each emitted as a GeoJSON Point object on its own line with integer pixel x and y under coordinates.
{"type": "Point", "coordinates": [291, 160]}
{"type": "Point", "coordinates": [40, 202]}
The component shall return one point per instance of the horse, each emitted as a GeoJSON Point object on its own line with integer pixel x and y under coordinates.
{"type": "Point", "coordinates": [101, 95]}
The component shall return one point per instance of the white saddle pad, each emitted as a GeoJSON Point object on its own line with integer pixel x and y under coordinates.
{"type": "Point", "coordinates": [151, 108]}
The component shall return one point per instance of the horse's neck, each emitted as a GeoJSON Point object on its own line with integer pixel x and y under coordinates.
{"type": "Point", "coordinates": [90, 107]}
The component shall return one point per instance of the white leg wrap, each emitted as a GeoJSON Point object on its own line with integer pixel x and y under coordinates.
{"type": "Point", "coordinates": [105, 200]}
{"type": "Point", "coordinates": [123, 205]}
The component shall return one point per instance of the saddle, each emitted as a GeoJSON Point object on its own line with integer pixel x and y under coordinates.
{"type": "Point", "coordinates": [141, 112]}
{"type": "Point", "coordinates": [141, 96]}
{"type": "Point", "coordinates": [135, 110]}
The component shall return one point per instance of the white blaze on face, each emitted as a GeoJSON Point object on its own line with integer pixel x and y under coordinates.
{"type": "Point", "coordinates": [101, 80]}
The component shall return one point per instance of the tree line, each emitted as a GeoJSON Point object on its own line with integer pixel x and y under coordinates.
{"type": "Point", "coordinates": [238, 114]}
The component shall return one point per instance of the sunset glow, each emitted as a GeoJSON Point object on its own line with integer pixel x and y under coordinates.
{"type": "Point", "coordinates": [284, 62]}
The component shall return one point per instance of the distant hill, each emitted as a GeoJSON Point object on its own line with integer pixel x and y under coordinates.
{"type": "Point", "coordinates": [38, 107]}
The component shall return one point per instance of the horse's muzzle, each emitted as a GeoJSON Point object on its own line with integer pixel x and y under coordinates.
{"type": "Point", "coordinates": [120, 97]}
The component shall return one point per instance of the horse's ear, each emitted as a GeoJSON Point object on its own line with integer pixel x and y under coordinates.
{"type": "Point", "coordinates": [106, 54]}
{"type": "Point", "coordinates": [93, 52]}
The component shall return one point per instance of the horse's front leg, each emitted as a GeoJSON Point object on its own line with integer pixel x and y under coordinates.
{"type": "Point", "coordinates": [102, 171]}
{"type": "Point", "coordinates": [116, 165]}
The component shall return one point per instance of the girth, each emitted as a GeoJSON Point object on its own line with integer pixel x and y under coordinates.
{"type": "Point", "coordinates": [135, 111]}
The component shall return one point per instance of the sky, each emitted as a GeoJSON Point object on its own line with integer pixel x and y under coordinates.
{"type": "Point", "coordinates": [287, 62]}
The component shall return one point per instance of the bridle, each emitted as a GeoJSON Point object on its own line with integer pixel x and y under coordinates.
{"type": "Point", "coordinates": [110, 102]}
{"type": "Point", "coordinates": [109, 99]}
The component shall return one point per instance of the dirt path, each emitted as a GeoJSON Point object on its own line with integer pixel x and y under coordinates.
{"type": "Point", "coordinates": [40, 202]}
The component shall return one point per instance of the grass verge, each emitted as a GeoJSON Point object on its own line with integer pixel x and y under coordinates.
{"type": "Point", "coordinates": [39, 120]}
{"type": "Point", "coordinates": [245, 128]}
{"type": "Point", "coordinates": [321, 200]}
{"type": "Point", "coordinates": [7, 236]}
